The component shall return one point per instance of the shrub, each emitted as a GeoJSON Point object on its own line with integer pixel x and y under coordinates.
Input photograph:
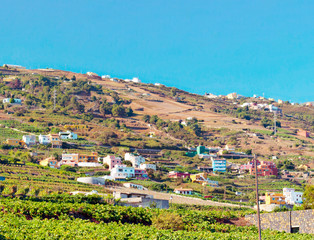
{"type": "Point", "coordinates": [167, 220]}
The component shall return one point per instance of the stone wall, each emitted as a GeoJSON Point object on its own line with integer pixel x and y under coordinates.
{"type": "Point", "coordinates": [285, 221]}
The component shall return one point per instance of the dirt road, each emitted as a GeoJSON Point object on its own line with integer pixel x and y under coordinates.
{"type": "Point", "coordinates": [176, 198]}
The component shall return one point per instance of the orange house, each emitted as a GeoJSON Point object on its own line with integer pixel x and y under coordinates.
{"type": "Point", "coordinates": [274, 198]}
{"type": "Point", "coordinates": [15, 142]}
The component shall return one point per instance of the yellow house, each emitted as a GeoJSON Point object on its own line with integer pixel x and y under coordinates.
{"type": "Point", "coordinates": [55, 141]}
{"type": "Point", "coordinates": [14, 142]}
{"type": "Point", "coordinates": [274, 198]}
{"type": "Point", "coordinates": [75, 127]}
{"type": "Point", "coordinates": [199, 177]}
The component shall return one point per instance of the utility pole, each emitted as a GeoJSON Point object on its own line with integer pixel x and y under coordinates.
{"type": "Point", "coordinates": [54, 98]}
{"type": "Point", "coordinates": [275, 121]}
{"type": "Point", "coordinates": [257, 201]}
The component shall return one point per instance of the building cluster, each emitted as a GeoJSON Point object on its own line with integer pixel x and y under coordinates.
{"type": "Point", "coordinates": [264, 168]}
{"type": "Point", "coordinates": [30, 140]}
{"type": "Point", "coordinates": [288, 197]}
{"type": "Point", "coordinates": [261, 106]}
{"type": "Point", "coordinates": [201, 178]}
{"type": "Point", "coordinates": [118, 170]}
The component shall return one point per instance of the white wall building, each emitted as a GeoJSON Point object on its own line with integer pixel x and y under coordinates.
{"type": "Point", "coordinates": [122, 172]}
{"type": "Point", "coordinates": [186, 191]}
{"type": "Point", "coordinates": [44, 139]}
{"type": "Point", "coordinates": [210, 95]}
{"type": "Point", "coordinates": [29, 139]}
{"type": "Point", "coordinates": [133, 185]}
{"type": "Point", "coordinates": [135, 160]}
{"type": "Point", "coordinates": [89, 164]}
{"type": "Point", "coordinates": [68, 135]}
{"type": "Point", "coordinates": [292, 197]}
{"type": "Point", "coordinates": [136, 80]}
{"type": "Point", "coordinates": [146, 166]}
{"type": "Point", "coordinates": [16, 100]}
{"type": "Point", "coordinates": [91, 74]}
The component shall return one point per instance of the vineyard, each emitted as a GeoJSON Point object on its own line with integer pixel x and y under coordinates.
{"type": "Point", "coordinates": [43, 179]}
{"type": "Point", "coordinates": [77, 217]}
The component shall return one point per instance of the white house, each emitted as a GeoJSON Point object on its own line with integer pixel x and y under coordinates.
{"type": "Point", "coordinates": [135, 160]}
{"type": "Point", "coordinates": [210, 95]}
{"type": "Point", "coordinates": [44, 139]}
{"type": "Point", "coordinates": [133, 185]}
{"type": "Point", "coordinates": [292, 197]}
{"type": "Point", "coordinates": [16, 100]}
{"type": "Point", "coordinates": [91, 74]}
{"type": "Point", "coordinates": [158, 84]}
{"type": "Point", "coordinates": [122, 172]}
{"type": "Point", "coordinates": [136, 80]}
{"type": "Point", "coordinates": [29, 139]}
{"type": "Point", "coordinates": [232, 95]}
{"type": "Point", "coordinates": [146, 166]}
{"type": "Point", "coordinates": [89, 164]}
{"type": "Point", "coordinates": [68, 135]}
{"type": "Point", "coordinates": [185, 191]}
{"type": "Point", "coordinates": [105, 76]}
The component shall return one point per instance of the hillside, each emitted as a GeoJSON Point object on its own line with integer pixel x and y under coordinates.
{"type": "Point", "coordinates": [216, 117]}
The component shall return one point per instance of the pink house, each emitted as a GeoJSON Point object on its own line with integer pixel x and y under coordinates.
{"type": "Point", "coordinates": [140, 173]}
{"type": "Point", "coordinates": [112, 161]}
{"type": "Point", "coordinates": [174, 174]}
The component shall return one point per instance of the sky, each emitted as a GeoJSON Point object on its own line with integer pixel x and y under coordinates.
{"type": "Point", "coordinates": [215, 46]}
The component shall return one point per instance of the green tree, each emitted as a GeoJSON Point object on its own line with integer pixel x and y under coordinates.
{"type": "Point", "coordinates": [118, 111]}
{"type": "Point", "coordinates": [308, 197]}
{"type": "Point", "coordinates": [146, 118]}
{"type": "Point", "coordinates": [129, 112]}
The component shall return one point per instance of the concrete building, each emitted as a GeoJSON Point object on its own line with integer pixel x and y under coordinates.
{"type": "Point", "coordinates": [146, 166]}
{"type": "Point", "coordinates": [136, 80]}
{"type": "Point", "coordinates": [121, 172]}
{"type": "Point", "coordinates": [174, 174]}
{"type": "Point", "coordinates": [292, 197]}
{"type": "Point", "coordinates": [70, 159]}
{"type": "Point", "coordinates": [50, 161]}
{"type": "Point", "coordinates": [68, 135]}
{"type": "Point", "coordinates": [44, 139]}
{"type": "Point", "coordinates": [55, 141]}
{"type": "Point", "coordinates": [15, 142]}
{"type": "Point", "coordinates": [133, 185]}
{"type": "Point", "coordinates": [185, 191]}
{"type": "Point", "coordinates": [111, 161]}
{"type": "Point", "coordinates": [29, 140]}
{"type": "Point", "coordinates": [210, 95]}
{"type": "Point", "coordinates": [219, 165]}
{"type": "Point", "coordinates": [134, 159]}
{"type": "Point", "coordinates": [140, 173]}
{"type": "Point", "coordinates": [274, 198]}
{"type": "Point", "coordinates": [140, 200]}
{"type": "Point", "coordinates": [15, 101]}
